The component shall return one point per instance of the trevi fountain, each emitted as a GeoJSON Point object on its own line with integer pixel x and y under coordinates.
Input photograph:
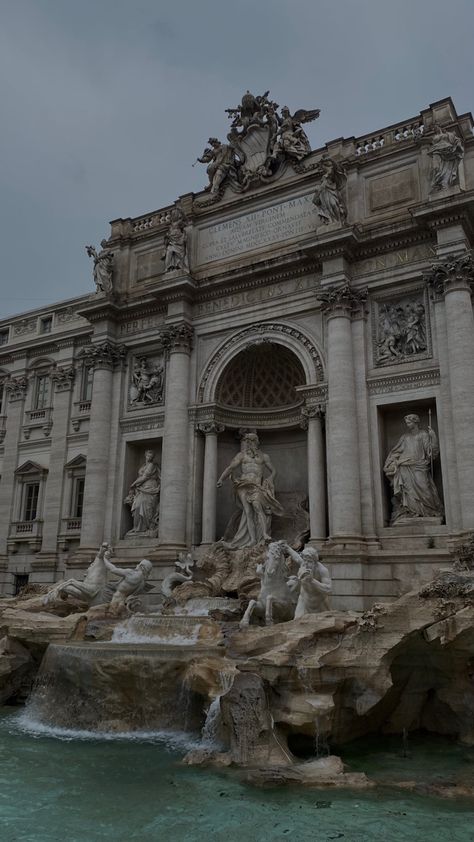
{"type": "Point", "coordinates": [237, 500]}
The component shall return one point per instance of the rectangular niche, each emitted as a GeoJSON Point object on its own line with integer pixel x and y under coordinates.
{"type": "Point", "coordinates": [134, 459]}
{"type": "Point", "coordinates": [401, 331]}
{"type": "Point", "coordinates": [287, 450]}
{"type": "Point", "coordinates": [391, 427]}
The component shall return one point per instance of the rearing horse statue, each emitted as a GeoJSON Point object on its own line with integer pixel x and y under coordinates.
{"type": "Point", "coordinates": [275, 595]}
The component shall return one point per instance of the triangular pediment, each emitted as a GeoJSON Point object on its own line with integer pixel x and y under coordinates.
{"type": "Point", "coordinates": [78, 461]}
{"type": "Point", "coordinates": [30, 467]}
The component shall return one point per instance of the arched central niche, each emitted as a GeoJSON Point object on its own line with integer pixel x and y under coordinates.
{"type": "Point", "coordinates": [262, 376]}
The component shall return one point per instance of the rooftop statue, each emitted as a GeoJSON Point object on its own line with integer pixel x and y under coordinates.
{"type": "Point", "coordinates": [260, 143]}
{"type": "Point", "coordinates": [103, 267]}
{"type": "Point", "coordinates": [176, 252]}
{"type": "Point", "coordinates": [255, 493]}
{"type": "Point", "coordinates": [447, 152]}
{"type": "Point", "coordinates": [328, 197]}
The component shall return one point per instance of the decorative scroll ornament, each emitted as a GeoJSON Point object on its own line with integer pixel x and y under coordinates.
{"type": "Point", "coordinates": [210, 428]}
{"type": "Point", "coordinates": [452, 270]}
{"type": "Point", "coordinates": [342, 297]}
{"type": "Point", "coordinates": [16, 387]}
{"type": "Point", "coordinates": [261, 142]}
{"type": "Point", "coordinates": [104, 355]}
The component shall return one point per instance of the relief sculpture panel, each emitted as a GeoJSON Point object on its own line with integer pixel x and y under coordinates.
{"type": "Point", "coordinates": [401, 331]}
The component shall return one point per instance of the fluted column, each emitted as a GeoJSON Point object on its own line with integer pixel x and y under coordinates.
{"type": "Point", "coordinates": [341, 428]}
{"type": "Point", "coordinates": [174, 464]}
{"type": "Point", "coordinates": [103, 358]}
{"type": "Point", "coordinates": [313, 419]}
{"type": "Point", "coordinates": [209, 485]}
{"type": "Point", "coordinates": [454, 278]}
{"type": "Point", "coordinates": [62, 381]}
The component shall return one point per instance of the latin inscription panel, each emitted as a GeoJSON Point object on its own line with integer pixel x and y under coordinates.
{"type": "Point", "coordinates": [251, 231]}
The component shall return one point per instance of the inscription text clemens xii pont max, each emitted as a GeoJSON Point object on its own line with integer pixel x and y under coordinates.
{"type": "Point", "coordinates": [284, 221]}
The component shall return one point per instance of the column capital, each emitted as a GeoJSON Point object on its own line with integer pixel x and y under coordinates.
{"type": "Point", "coordinates": [452, 273]}
{"type": "Point", "coordinates": [342, 300]}
{"type": "Point", "coordinates": [104, 355]}
{"type": "Point", "coordinates": [210, 428]}
{"type": "Point", "coordinates": [313, 411]}
{"type": "Point", "coordinates": [178, 338]}
{"type": "Point", "coordinates": [63, 377]}
{"type": "Point", "coordinates": [16, 387]}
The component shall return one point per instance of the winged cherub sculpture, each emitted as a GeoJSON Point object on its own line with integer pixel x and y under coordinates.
{"type": "Point", "coordinates": [293, 140]}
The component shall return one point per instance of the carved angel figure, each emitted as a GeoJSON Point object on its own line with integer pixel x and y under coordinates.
{"type": "Point", "coordinates": [293, 140]}
{"type": "Point", "coordinates": [328, 196]}
{"type": "Point", "coordinates": [175, 255]}
{"type": "Point", "coordinates": [103, 267]}
{"type": "Point", "coordinates": [447, 152]}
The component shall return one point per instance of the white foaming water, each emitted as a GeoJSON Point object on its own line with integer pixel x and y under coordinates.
{"type": "Point", "coordinates": [26, 724]}
{"type": "Point", "coordinates": [211, 732]}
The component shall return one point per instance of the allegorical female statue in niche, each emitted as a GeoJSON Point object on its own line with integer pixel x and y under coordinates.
{"type": "Point", "coordinates": [408, 466]}
{"type": "Point", "coordinates": [144, 498]}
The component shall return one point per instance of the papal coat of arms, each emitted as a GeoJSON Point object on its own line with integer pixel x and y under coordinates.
{"type": "Point", "coordinates": [262, 140]}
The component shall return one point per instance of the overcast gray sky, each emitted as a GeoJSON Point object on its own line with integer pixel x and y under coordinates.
{"type": "Point", "coordinates": [105, 104]}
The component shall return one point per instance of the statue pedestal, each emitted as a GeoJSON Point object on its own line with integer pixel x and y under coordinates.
{"type": "Point", "coordinates": [416, 521]}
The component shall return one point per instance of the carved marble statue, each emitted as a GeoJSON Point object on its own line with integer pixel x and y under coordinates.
{"type": "Point", "coordinates": [147, 383]}
{"type": "Point", "coordinates": [447, 152]}
{"type": "Point", "coordinates": [183, 573]}
{"type": "Point", "coordinates": [260, 141]}
{"type": "Point", "coordinates": [313, 582]}
{"type": "Point", "coordinates": [175, 254]}
{"type": "Point", "coordinates": [255, 493]}
{"type": "Point", "coordinates": [221, 158]}
{"type": "Point", "coordinates": [293, 140]}
{"type": "Point", "coordinates": [90, 590]}
{"type": "Point", "coordinates": [103, 267]}
{"type": "Point", "coordinates": [133, 581]}
{"type": "Point", "coordinates": [328, 196]}
{"type": "Point", "coordinates": [408, 467]}
{"type": "Point", "coordinates": [144, 498]}
{"type": "Point", "coordinates": [401, 330]}
{"type": "Point", "coordinates": [276, 599]}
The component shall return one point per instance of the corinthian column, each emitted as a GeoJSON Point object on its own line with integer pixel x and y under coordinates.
{"type": "Point", "coordinates": [341, 429]}
{"type": "Point", "coordinates": [209, 485]}
{"type": "Point", "coordinates": [453, 279]}
{"type": "Point", "coordinates": [103, 358]}
{"type": "Point", "coordinates": [313, 419]}
{"type": "Point", "coordinates": [174, 464]}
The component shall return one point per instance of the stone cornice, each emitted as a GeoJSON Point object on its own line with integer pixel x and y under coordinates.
{"type": "Point", "coordinates": [236, 418]}
{"type": "Point", "coordinates": [402, 382]}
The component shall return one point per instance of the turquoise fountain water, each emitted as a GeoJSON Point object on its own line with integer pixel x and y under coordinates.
{"type": "Point", "coordinates": [58, 785]}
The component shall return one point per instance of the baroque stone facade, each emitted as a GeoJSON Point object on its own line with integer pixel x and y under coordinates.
{"type": "Point", "coordinates": [318, 299]}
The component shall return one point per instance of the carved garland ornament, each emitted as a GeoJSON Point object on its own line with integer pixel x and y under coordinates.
{"type": "Point", "coordinates": [257, 334]}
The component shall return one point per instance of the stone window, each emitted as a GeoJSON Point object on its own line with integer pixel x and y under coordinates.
{"type": "Point", "coordinates": [42, 391]}
{"type": "Point", "coordinates": [46, 323]}
{"type": "Point", "coordinates": [30, 500]}
{"type": "Point", "coordinates": [20, 581]}
{"type": "Point", "coordinates": [77, 496]}
{"type": "Point", "coordinates": [261, 377]}
{"type": "Point", "coordinates": [86, 383]}
{"type": "Point", "coordinates": [4, 336]}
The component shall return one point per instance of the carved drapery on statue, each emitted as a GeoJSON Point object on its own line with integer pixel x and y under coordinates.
{"type": "Point", "coordinates": [447, 152]}
{"type": "Point", "coordinates": [176, 246]}
{"type": "Point", "coordinates": [260, 142]}
{"type": "Point", "coordinates": [328, 198]}
{"type": "Point", "coordinates": [408, 466]}
{"type": "Point", "coordinates": [144, 498]}
{"type": "Point", "coordinates": [103, 268]}
{"type": "Point", "coordinates": [254, 492]}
